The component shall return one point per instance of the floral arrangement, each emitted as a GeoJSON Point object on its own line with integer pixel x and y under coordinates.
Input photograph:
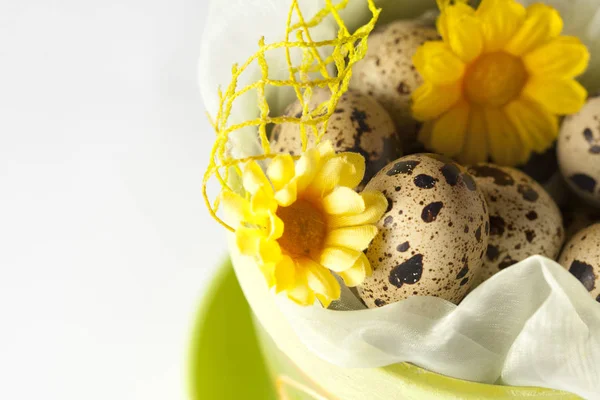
{"type": "Point", "coordinates": [302, 221]}
{"type": "Point", "coordinates": [497, 81]}
{"type": "Point", "coordinates": [423, 174]}
{"type": "Point", "coordinates": [494, 86]}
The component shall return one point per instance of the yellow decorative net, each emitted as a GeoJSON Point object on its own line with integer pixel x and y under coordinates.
{"type": "Point", "coordinates": [314, 70]}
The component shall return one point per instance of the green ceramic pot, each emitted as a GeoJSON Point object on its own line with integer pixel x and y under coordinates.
{"type": "Point", "coordinates": [225, 360]}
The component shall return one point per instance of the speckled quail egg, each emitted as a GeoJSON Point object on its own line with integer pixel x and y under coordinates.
{"type": "Point", "coordinates": [544, 169]}
{"type": "Point", "coordinates": [578, 216]}
{"type": "Point", "coordinates": [581, 256]}
{"type": "Point", "coordinates": [387, 71]}
{"type": "Point", "coordinates": [358, 124]}
{"type": "Point", "coordinates": [524, 220]}
{"type": "Point", "coordinates": [433, 236]}
{"type": "Point", "coordinates": [579, 151]}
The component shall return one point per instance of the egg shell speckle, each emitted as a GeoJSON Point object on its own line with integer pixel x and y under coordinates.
{"type": "Point", "coordinates": [579, 152]}
{"type": "Point", "coordinates": [581, 256]}
{"type": "Point", "coordinates": [524, 220]}
{"type": "Point", "coordinates": [387, 71]}
{"type": "Point", "coordinates": [433, 236]}
{"type": "Point", "coordinates": [358, 124]}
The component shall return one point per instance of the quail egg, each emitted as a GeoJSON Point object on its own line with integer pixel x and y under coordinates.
{"type": "Point", "coordinates": [358, 124]}
{"type": "Point", "coordinates": [432, 239]}
{"type": "Point", "coordinates": [524, 220]}
{"type": "Point", "coordinates": [387, 71]}
{"type": "Point", "coordinates": [579, 152]}
{"type": "Point", "coordinates": [581, 256]}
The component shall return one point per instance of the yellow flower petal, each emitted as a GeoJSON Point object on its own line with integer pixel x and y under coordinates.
{"type": "Point", "coordinates": [442, 21]}
{"type": "Point", "coordinates": [301, 293]}
{"type": "Point", "coordinates": [306, 168]}
{"type": "Point", "coordinates": [358, 272]}
{"type": "Point", "coordinates": [353, 171]}
{"type": "Point", "coordinates": [343, 200]}
{"type": "Point", "coordinates": [338, 259]}
{"type": "Point", "coordinates": [247, 241]}
{"type": "Point", "coordinates": [321, 281]}
{"type": "Point", "coordinates": [285, 274]}
{"type": "Point", "coordinates": [235, 208]}
{"type": "Point", "coordinates": [563, 57]}
{"type": "Point", "coordinates": [430, 101]}
{"type": "Point", "coordinates": [536, 126]}
{"type": "Point", "coordinates": [448, 135]}
{"type": "Point", "coordinates": [437, 64]}
{"type": "Point", "coordinates": [565, 96]}
{"type": "Point", "coordinates": [262, 200]}
{"type": "Point", "coordinates": [355, 237]}
{"type": "Point", "coordinates": [542, 24]}
{"type": "Point", "coordinates": [327, 178]}
{"type": "Point", "coordinates": [504, 143]}
{"type": "Point", "coordinates": [462, 31]}
{"type": "Point", "coordinates": [268, 271]}
{"type": "Point", "coordinates": [500, 20]}
{"type": "Point", "coordinates": [475, 149]}
{"type": "Point", "coordinates": [326, 150]}
{"type": "Point", "coordinates": [281, 170]}
{"type": "Point", "coordinates": [275, 226]}
{"type": "Point", "coordinates": [254, 178]}
{"type": "Point", "coordinates": [375, 206]}
{"type": "Point", "coordinates": [287, 195]}
{"type": "Point", "coordinates": [269, 251]}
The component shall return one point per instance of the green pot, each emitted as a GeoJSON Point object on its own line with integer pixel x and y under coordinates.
{"type": "Point", "coordinates": [225, 360]}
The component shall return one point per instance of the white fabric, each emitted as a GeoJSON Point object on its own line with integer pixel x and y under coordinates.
{"type": "Point", "coordinates": [533, 324]}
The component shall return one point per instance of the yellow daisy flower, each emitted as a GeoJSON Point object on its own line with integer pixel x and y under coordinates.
{"type": "Point", "coordinates": [302, 221]}
{"type": "Point", "coordinates": [497, 82]}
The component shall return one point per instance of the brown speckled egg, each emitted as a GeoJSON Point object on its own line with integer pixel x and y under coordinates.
{"type": "Point", "coordinates": [387, 71]}
{"type": "Point", "coordinates": [581, 256]}
{"type": "Point", "coordinates": [359, 124]}
{"type": "Point", "coordinates": [433, 236]}
{"type": "Point", "coordinates": [579, 152]}
{"type": "Point", "coordinates": [524, 220]}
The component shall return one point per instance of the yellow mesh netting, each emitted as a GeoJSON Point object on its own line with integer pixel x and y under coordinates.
{"type": "Point", "coordinates": [313, 71]}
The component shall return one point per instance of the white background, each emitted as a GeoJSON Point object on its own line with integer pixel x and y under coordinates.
{"type": "Point", "coordinates": [105, 244]}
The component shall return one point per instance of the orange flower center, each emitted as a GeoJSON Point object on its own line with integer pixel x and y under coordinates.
{"type": "Point", "coordinates": [495, 79]}
{"type": "Point", "coordinates": [303, 229]}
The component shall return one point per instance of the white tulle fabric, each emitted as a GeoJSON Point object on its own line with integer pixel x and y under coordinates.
{"type": "Point", "coordinates": [533, 324]}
